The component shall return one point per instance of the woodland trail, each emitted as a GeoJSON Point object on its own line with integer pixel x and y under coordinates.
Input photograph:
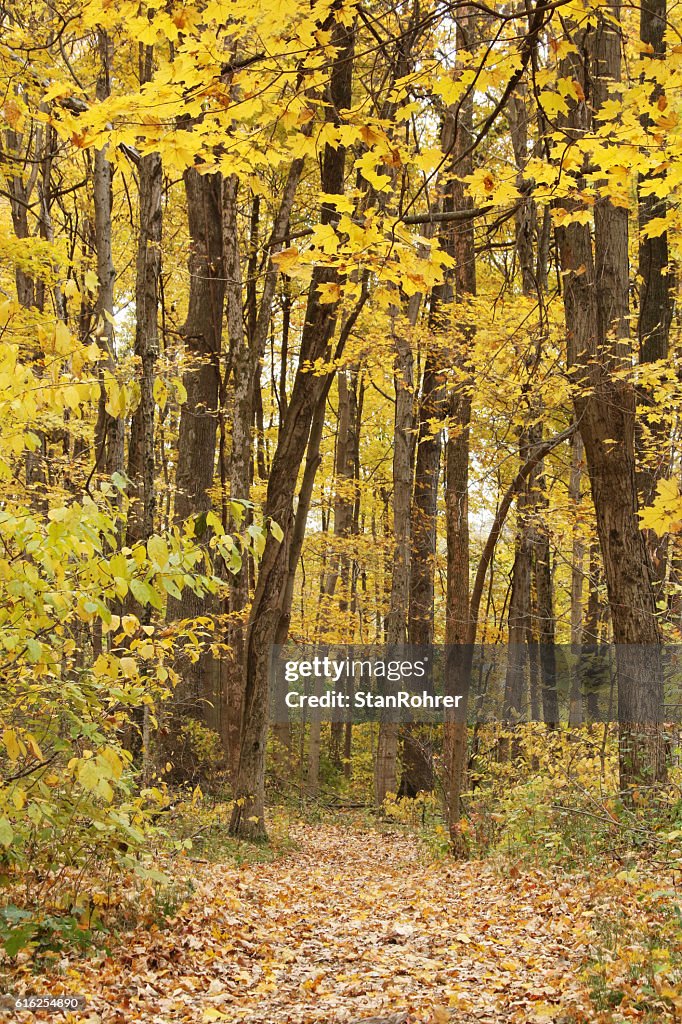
{"type": "Point", "coordinates": [353, 924]}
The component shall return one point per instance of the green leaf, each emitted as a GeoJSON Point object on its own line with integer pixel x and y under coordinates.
{"type": "Point", "coordinates": [145, 593]}
{"type": "Point", "coordinates": [90, 775]}
{"type": "Point", "coordinates": [6, 832]}
{"type": "Point", "coordinates": [18, 938]}
{"type": "Point", "coordinates": [171, 587]}
{"type": "Point", "coordinates": [34, 649]}
{"type": "Point", "coordinates": [157, 549]}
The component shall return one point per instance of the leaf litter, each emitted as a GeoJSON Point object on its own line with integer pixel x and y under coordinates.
{"type": "Point", "coordinates": [352, 924]}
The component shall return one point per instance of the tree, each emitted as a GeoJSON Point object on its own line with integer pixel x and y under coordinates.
{"type": "Point", "coordinates": [597, 309]}
{"type": "Point", "coordinates": [308, 393]}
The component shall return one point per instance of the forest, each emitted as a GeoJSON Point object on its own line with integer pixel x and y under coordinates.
{"type": "Point", "coordinates": [340, 351]}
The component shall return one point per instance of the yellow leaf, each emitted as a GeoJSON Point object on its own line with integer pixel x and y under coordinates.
{"type": "Point", "coordinates": [91, 281]}
{"type": "Point", "coordinates": [12, 745]}
{"type": "Point", "coordinates": [286, 259]}
{"type": "Point", "coordinates": [128, 667]}
{"type": "Point", "coordinates": [330, 292]}
{"type": "Point", "coordinates": [210, 1013]}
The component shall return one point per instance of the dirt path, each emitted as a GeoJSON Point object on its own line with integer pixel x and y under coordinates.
{"type": "Point", "coordinates": [353, 924]}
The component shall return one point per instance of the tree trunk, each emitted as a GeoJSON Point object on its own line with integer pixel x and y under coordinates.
{"type": "Point", "coordinates": [246, 354]}
{"type": "Point", "coordinates": [656, 297]}
{"type": "Point", "coordinates": [200, 695]}
{"type": "Point", "coordinates": [307, 392]}
{"type": "Point", "coordinates": [577, 571]}
{"type": "Point", "coordinates": [432, 409]}
{"type": "Point", "coordinates": [462, 246]}
{"type": "Point", "coordinates": [141, 457]}
{"type": "Point", "coordinates": [403, 467]}
{"type": "Point", "coordinates": [596, 303]}
{"type": "Point", "coordinates": [109, 430]}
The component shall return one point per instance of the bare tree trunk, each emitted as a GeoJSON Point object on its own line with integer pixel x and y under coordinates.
{"type": "Point", "coordinates": [239, 471]}
{"type": "Point", "coordinates": [109, 430]}
{"type": "Point", "coordinates": [544, 610]}
{"type": "Point", "coordinates": [141, 456]}
{"type": "Point", "coordinates": [577, 571]}
{"type": "Point", "coordinates": [519, 621]}
{"type": "Point", "coordinates": [432, 408]}
{"type": "Point", "coordinates": [531, 612]}
{"type": "Point", "coordinates": [656, 297]}
{"type": "Point", "coordinates": [403, 466]}
{"type": "Point", "coordinates": [141, 451]}
{"type": "Point", "coordinates": [200, 695]}
{"type": "Point", "coordinates": [307, 392]}
{"type": "Point", "coordinates": [347, 440]}
{"type": "Point", "coordinates": [245, 354]}
{"type": "Point", "coordinates": [596, 301]}
{"type": "Point", "coordinates": [457, 453]}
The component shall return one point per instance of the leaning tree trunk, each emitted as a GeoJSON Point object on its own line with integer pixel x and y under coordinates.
{"type": "Point", "coordinates": [307, 392]}
{"type": "Point", "coordinates": [599, 350]}
{"type": "Point", "coordinates": [246, 353]}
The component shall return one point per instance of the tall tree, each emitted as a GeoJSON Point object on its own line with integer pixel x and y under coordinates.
{"type": "Point", "coordinates": [596, 288]}
{"type": "Point", "coordinates": [201, 694]}
{"type": "Point", "coordinates": [656, 286]}
{"type": "Point", "coordinates": [457, 613]}
{"type": "Point", "coordinates": [141, 453]}
{"type": "Point", "coordinates": [307, 393]}
{"type": "Point", "coordinates": [109, 431]}
{"type": "Point", "coordinates": [246, 352]}
{"type": "Point", "coordinates": [403, 469]}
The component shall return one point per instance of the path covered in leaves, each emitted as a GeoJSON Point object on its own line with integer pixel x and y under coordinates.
{"type": "Point", "coordinates": [353, 924]}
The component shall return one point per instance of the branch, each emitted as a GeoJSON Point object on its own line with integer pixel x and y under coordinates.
{"type": "Point", "coordinates": [538, 455]}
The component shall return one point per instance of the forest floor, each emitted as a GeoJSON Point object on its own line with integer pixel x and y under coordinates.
{"type": "Point", "coordinates": [349, 923]}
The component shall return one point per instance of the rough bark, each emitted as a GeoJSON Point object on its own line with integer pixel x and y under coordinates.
{"type": "Point", "coordinates": [596, 303]}
{"type": "Point", "coordinates": [339, 573]}
{"type": "Point", "coordinates": [200, 694]}
{"type": "Point", "coordinates": [307, 391]}
{"type": "Point", "coordinates": [531, 612]}
{"type": "Point", "coordinates": [403, 467]}
{"type": "Point", "coordinates": [577, 571]}
{"type": "Point", "coordinates": [656, 296]}
{"type": "Point", "coordinates": [543, 612]}
{"type": "Point", "coordinates": [141, 457]}
{"type": "Point", "coordinates": [246, 352]}
{"type": "Point", "coordinates": [432, 409]}
{"type": "Point", "coordinates": [462, 246]}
